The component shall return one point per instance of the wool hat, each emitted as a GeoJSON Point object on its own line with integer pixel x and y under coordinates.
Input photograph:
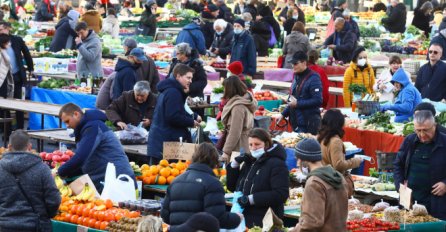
{"type": "Point", "coordinates": [426, 106]}
{"type": "Point", "coordinates": [356, 53]}
{"type": "Point", "coordinates": [340, 2]}
{"type": "Point", "coordinates": [240, 21]}
{"type": "Point", "coordinates": [139, 54]}
{"type": "Point", "coordinates": [200, 221]}
{"type": "Point", "coordinates": [299, 56]}
{"type": "Point", "coordinates": [308, 149]}
{"type": "Point", "coordinates": [130, 43]}
{"type": "Point", "coordinates": [212, 8]}
{"type": "Point", "coordinates": [236, 67]}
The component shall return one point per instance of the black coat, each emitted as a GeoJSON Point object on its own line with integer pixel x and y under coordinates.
{"type": "Point", "coordinates": [337, 13]}
{"type": "Point", "coordinates": [193, 6]}
{"type": "Point", "coordinates": [379, 7]}
{"type": "Point", "coordinates": [44, 13]}
{"type": "Point", "coordinates": [225, 13]}
{"type": "Point", "coordinates": [199, 80]}
{"type": "Point", "coordinates": [21, 52]}
{"type": "Point", "coordinates": [63, 31]}
{"type": "Point", "coordinates": [288, 25]}
{"type": "Point", "coordinates": [396, 22]}
{"type": "Point", "coordinates": [266, 179]}
{"type": "Point", "coordinates": [237, 10]}
{"type": "Point", "coordinates": [207, 27]}
{"type": "Point", "coordinates": [421, 21]}
{"type": "Point", "coordinates": [348, 43]}
{"type": "Point", "coordinates": [149, 21]}
{"type": "Point", "coordinates": [431, 81]}
{"type": "Point", "coordinates": [261, 35]}
{"type": "Point", "coordinates": [197, 190]}
{"type": "Point", "coordinates": [224, 41]}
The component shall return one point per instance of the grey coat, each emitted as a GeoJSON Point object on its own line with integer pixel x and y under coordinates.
{"type": "Point", "coordinates": [294, 42]}
{"type": "Point", "coordinates": [35, 177]}
{"type": "Point", "coordinates": [89, 56]}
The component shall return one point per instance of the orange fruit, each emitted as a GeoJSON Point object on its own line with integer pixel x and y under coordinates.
{"type": "Point", "coordinates": [165, 172]}
{"type": "Point", "coordinates": [80, 220]}
{"type": "Point", "coordinates": [188, 162]}
{"type": "Point", "coordinates": [154, 169]}
{"type": "Point", "coordinates": [164, 163]}
{"type": "Point", "coordinates": [146, 180]}
{"type": "Point", "coordinates": [173, 165]}
{"type": "Point", "coordinates": [161, 180]}
{"type": "Point", "coordinates": [152, 179]}
{"type": "Point", "coordinates": [182, 171]}
{"type": "Point", "coordinates": [91, 222]}
{"type": "Point", "coordinates": [73, 209]}
{"type": "Point", "coordinates": [109, 217]}
{"type": "Point", "coordinates": [86, 212]}
{"type": "Point", "coordinates": [97, 225]}
{"type": "Point", "coordinates": [145, 167]}
{"type": "Point", "coordinates": [79, 210]}
{"type": "Point", "coordinates": [85, 221]}
{"type": "Point", "coordinates": [215, 171]}
{"type": "Point", "coordinates": [103, 225]}
{"type": "Point", "coordinates": [118, 216]}
{"type": "Point", "coordinates": [174, 172]}
{"type": "Point", "coordinates": [222, 172]}
{"type": "Point", "coordinates": [67, 217]}
{"type": "Point", "coordinates": [170, 179]}
{"type": "Point", "coordinates": [180, 165]}
{"type": "Point", "coordinates": [74, 218]}
{"type": "Point", "coordinates": [134, 214]}
{"type": "Point", "coordinates": [101, 216]}
{"type": "Point", "coordinates": [109, 203]}
{"type": "Point", "coordinates": [146, 173]}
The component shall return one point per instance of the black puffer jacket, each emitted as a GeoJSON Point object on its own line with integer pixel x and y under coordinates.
{"type": "Point", "coordinates": [224, 41]}
{"type": "Point", "coordinates": [266, 179]}
{"type": "Point", "coordinates": [196, 190]}
{"type": "Point", "coordinates": [207, 27]}
{"type": "Point", "coordinates": [396, 22]}
{"type": "Point", "coordinates": [261, 35]}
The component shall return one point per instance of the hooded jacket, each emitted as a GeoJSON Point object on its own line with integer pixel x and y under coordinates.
{"type": "Point", "coordinates": [294, 42]}
{"type": "Point", "coordinates": [354, 75]}
{"type": "Point", "coordinates": [125, 77]}
{"type": "Point", "coordinates": [192, 35]}
{"type": "Point", "coordinates": [406, 100]}
{"type": "Point", "coordinates": [347, 43]}
{"type": "Point", "coordinates": [440, 38]}
{"type": "Point", "coordinates": [170, 119]}
{"type": "Point", "coordinates": [396, 22]}
{"type": "Point", "coordinates": [238, 119]}
{"type": "Point", "coordinates": [63, 33]}
{"type": "Point", "coordinates": [147, 72]}
{"type": "Point", "coordinates": [244, 50]}
{"type": "Point", "coordinates": [46, 12]}
{"type": "Point", "coordinates": [89, 56]}
{"type": "Point", "coordinates": [73, 19]}
{"type": "Point", "coordinates": [96, 146]}
{"type": "Point", "coordinates": [325, 202]}
{"type": "Point", "coordinates": [384, 78]}
{"type": "Point", "coordinates": [35, 177]}
{"type": "Point", "coordinates": [307, 89]}
{"type": "Point", "coordinates": [266, 179]}
{"type": "Point", "coordinates": [196, 190]}
{"type": "Point", "coordinates": [224, 41]}
{"type": "Point", "coordinates": [93, 20]}
{"type": "Point", "coordinates": [199, 79]}
{"type": "Point", "coordinates": [431, 81]}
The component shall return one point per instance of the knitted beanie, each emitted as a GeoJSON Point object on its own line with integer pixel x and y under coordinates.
{"type": "Point", "coordinates": [308, 149]}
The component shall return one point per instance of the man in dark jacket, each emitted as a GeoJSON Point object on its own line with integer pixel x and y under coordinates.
{"type": "Point", "coordinates": [96, 146]}
{"type": "Point", "coordinates": [431, 108]}
{"type": "Point", "coordinates": [192, 35]}
{"type": "Point", "coordinates": [440, 39]}
{"type": "Point", "coordinates": [133, 107]}
{"type": "Point", "coordinates": [18, 51]}
{"type": "Point", "coordinates": [63, 32]}
{"type": "Point", "coordinates": [224, 11]}
{"type": "Point", "coordinates": [35, 178]}
{"type": "Point", "coordinates": [306, 97]}
{"type": "Point", "coordinates": [187, 196]}
{"type": "Point", "coordinates": [420, 164]}
{"type": "Point", "coordinates": [396, 22]}
{"type": "Point", "coordinates": [170, 120]}
{"type": "Point", "coordinates": [125, 69]}
{"type": "Point", "coordinates": [431, 81]}
{"type": "Point", "coordinates": [224, 34]}
{"type": "Point", "coordinates": [46, 11]}
{"type": "Point", "coordinates": [243, 48]}
{"type": "Point", "coordinates": [352, 23]}
{"type": "Point", "coordinates": [343, 41]}
{"type": "Point", "coordinates": [261, 34]}
{"type": "Point", "coordinates": [208, 16]}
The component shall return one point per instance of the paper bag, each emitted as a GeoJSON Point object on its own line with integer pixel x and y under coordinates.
{"type": "Point", "coordinates": [405, 196]}
{"type": "Point", "coordinates": [178, 150]}
{"type": "Point", "coordinates": [78, 185]}
{"type": "Point", "coordinates": [118, 189]}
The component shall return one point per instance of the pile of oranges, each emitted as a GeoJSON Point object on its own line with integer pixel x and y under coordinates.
{"type": "Point", "coordinates": [163, 173]}
{"type": "Point", "coordinates": [96, 214]}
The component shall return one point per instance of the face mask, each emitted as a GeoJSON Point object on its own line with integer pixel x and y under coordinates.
{"type": "Point", "coordinates": [361, 62]}
{"type": "Point", "coordinates": [52, 3]}
{"type": "Point", "coordinates": [258, 153]}
{"type": "Point", "coordinates": [295, 16]}
{"type": "Point", "coordinates": [238, 31]}
{"type": "Point", "coordinates": [305, 169]}
{"type": "Point", "coordinates": [218, 33]}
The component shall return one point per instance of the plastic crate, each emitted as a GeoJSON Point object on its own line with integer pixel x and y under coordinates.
{"type": "Point", "coordinates": [367, 107]}
{"type": "Point", "coordinates": [384, 160]}
{"type": "Point", "coordinates": [412, 66]}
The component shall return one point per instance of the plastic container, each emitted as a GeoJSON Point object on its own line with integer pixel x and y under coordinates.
{"type": "Point", "coordinates": [291, 160]}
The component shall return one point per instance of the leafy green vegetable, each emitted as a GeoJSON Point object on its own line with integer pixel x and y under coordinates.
{"type": "Point", "coordinates": [441, 118]}
{"type": "Point", "coordinates": [382, 122]}
{"type": "Point", "coordinates": [369, 31]}
{"type": "Point", "coordinates": [218, 90]}
{"type": "Point", "coordinates": [357, 88]}
{"type": "Point", "coordinates": [408, 129]}
{"type": "Point", "coordinates": [413, 30]}
{"type": "Point", "coordinates": [220, 125]}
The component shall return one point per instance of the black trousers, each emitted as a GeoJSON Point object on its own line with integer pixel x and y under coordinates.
{"type": "Point", "coordinates": [18, 84]}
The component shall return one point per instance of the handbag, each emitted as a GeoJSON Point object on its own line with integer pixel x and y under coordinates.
{"type": "Point", "coordinates": [222, 140]}
{"type": "Point", "coordinates": [351, 186]}
{"type": "Point", "coordinates": [273, 39]}
{"type": "Point", "coordinates": [17, 180]}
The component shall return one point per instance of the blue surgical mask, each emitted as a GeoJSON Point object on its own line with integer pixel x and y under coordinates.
{"type": "Point", "coordinates": [295, 16]}
{"type": "Point", "coordinates": [258, 153]}
{"type": "Point", "coordinates": [238, 31]}
{"type": "Point", "coordinates": [218, 33]}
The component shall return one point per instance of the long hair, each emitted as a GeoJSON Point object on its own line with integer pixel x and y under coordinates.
{"type": "Point", "coordinates": [332, 124]}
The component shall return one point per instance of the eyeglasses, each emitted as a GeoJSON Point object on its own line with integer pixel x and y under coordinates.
{"type": "Point", "coordinates": [433, 51]}
{"type": "Point", "coordinates": [424, 131]}
{"type": "Point", "coordinates": [362, 57]}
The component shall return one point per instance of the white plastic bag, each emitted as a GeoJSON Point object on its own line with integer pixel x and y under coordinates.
{"type": "Point", "coordinates": [211, 126]}
{"type": "Point", "coordinates": [116, 188]}
{"type": "Point", "coordinates": [236, 208]}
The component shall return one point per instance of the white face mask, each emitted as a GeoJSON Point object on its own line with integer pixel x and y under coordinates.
{"type": "Point", "coordinates": [295, 16]}
{"type": "Point", "coordinates": [238, 31]}
{"type": "Point", "coordinates": [258, 153]}
{"type": "Point", "coordinates": [362, 62]}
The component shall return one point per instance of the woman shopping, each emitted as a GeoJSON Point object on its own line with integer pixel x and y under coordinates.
{"type": "Point", "coordinates": [383, 85]}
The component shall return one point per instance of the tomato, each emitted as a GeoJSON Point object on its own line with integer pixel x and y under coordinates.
{"type": "Point", "coordinates": [91, 222]}
{"type": "Point", "coordinates": [74, 218]}
{"type": "Point", "coordinates": [103, 225]}
{"type": "Point", "coordinates": [97, 225]}
{"type": "Point", "coordinates": [86, 212]}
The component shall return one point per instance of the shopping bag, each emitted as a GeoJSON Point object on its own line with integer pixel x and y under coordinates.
{"type": "Point", "coordinates": [133, 135]}
{"type": "Point", "coordinates": [118, 189]}
{"type": "Point", "coordinates": [236, 208]}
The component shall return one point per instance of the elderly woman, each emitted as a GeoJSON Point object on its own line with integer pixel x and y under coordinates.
{"type": "Point", "coordinates": [133, 107]}
{"type": "Point", "coordinates": [221, 46]}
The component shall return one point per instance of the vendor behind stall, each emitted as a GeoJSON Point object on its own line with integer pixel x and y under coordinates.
{"type": "Point", "coordinates": [133, 107]}
{"type": "Point", "coordinates": [96, 146]}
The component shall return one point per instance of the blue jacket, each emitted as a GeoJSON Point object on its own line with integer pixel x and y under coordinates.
{"type": "Point", "coordinates": [407, 99]}
{"type": "Point", "coordinates": [244, 50]}
{"type": "Point", "coordinates": [96, 146]}
{"type": "Point", "coordinates": [306, 116]}
{"type": "Point", "coordinates": [125, 77]}
{"type": "Point", "coordinates": [39, 186]}
{"type": "Point", "coordinates": [192, 35]}
{"type": "Point", "coordinates": [431, 81]}
{"type": "Point", "coordinates": [63, 32]}
{"type": "Point", "coordinates": [436, 168]}
{"type": "Point", "coordinates": [187, 196]}
{"type": "Point", "coordinates": [347, 43]}
{"type": "Point", "coordinates": [170, 120]}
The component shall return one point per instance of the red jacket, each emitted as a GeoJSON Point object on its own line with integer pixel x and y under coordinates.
{"type": "Point", "coordinates": [325, 83]}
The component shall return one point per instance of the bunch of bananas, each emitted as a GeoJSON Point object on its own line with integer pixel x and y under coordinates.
{"type": "Point", "coordinates": [65, 191]}
{"type": "Point", "coordinates": [87, 194]}
{"type": "Point", "coordinates": [59, 182]}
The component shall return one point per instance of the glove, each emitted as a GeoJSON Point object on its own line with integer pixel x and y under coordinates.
{"type": "Point", "coordinates": [241, 158]}
{"type": "Point", "coordinates": [384, 107]}
{"type": "Point", "coordinates": [243, 201]}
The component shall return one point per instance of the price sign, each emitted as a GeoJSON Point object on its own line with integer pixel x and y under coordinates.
{"type": "Point", "coordinates": [177, 150]}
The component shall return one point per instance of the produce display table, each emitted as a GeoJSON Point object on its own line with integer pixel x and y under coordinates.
{"type": "Point", "coordinates": [56, 97]}
{"type": "Point", "coordinates": [59, 226]}
{"type": "Point", "coordinates": [423, 227]}
{"type": "Point", "coordinates": [372, 141]}
{"type": "Point", "coordinates": [270, 105]}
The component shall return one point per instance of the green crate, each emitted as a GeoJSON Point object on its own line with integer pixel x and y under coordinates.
{"type": "Point", "coordinates": [167, 24]}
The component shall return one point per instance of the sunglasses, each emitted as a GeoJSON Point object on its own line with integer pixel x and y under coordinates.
{"type": "Point", "coordinates": [433, 52]}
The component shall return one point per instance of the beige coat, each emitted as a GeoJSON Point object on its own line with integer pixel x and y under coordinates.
{"type": "Point", "coordinates": [238, 119]}
{"type": "Point", "coordinates": [333, 154]}
{"type": "Point", "coordinates": [324, 209]}
{"type": "Point", "coordinates": [5, 73]}
{"type": "Point", "coordinates": [93, 20]}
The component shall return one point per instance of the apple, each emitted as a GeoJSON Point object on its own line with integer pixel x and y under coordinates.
{"type": "Point", "coordinates": [57, 152]}
{"type": "Point", "coordinates": [42, 155]}
{"type": "Point", "coordinates": [65, 157]}
{"type": "Point", "coordinates": [69, 152]}
{"type": "Point", "coordinates": [49, 156]}
{"type": "Point", "coordinates": [62, 163]}
{"type": "Point", "coordinates": [56, 158]}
